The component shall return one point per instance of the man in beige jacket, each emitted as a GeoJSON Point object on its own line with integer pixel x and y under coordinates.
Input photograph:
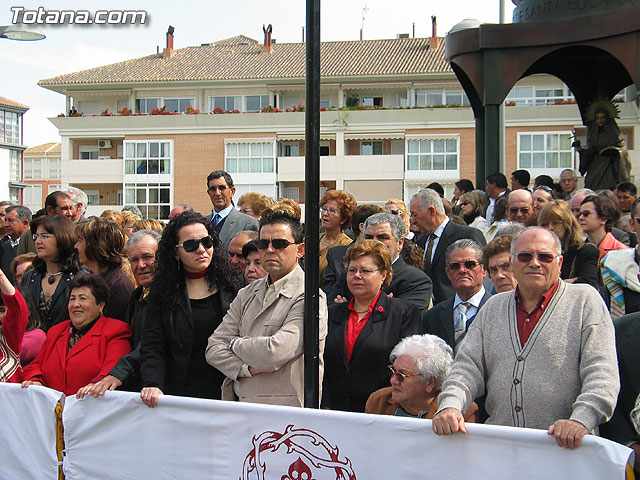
{"type": "Point", "coordinates": [259, 344]}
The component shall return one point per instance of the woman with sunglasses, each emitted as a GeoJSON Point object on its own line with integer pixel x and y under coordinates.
{"type": "Point", "coordinates": [597, 216]}
{"type": "Point", "coordinates": [419, 366]}
{"type": "Point", "coordinates": [191, 291]}
{"type": "Point", "coordinates": [579, 259]}
{"type": "Point", "coordinates": [471, 206]}
{"type": "Point", "coordinates": [336, 208]}
{"type": "Point", "coordinates": [53, 269]}
{"type": "Point", "coordinates": [363, 331]}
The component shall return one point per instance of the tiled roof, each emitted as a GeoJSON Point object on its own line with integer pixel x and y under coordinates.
{"type": "Point", "coordinates": [52, 147]}
{"type": "Point", "coordinates": [241, 58]}
{"type": "Point", "coordinates": [7, 102]}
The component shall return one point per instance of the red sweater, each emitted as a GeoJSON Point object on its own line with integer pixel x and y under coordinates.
{"type": "Point", "coordinates": [13, 327]}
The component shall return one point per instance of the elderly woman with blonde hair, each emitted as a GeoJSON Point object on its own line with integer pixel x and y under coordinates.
{"type": "Point", "coordinates": [254, 204]}
{"type": "Point", "coordinates": [419, 366]}
{"type": "Point", "coordinates": [395, 206]}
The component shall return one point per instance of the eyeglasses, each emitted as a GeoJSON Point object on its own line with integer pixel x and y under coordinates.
{"type": "Point", "coordinates": [399, 375]}
{"type": "Point", "coordinates": [584, 213]}
{"type": "Point", "coordinates": [246, 211]}
{"type": "Point", "coordinates": [464, 204]}
{"type": "Point", "coordinates": [469, 265]}
{"type": "Point", "coordinates": [503, 267]}
{"type": "Point", "coordinates": [364, 272]}
{"type": "Point", "coordinates": [277, 243]}
{"type": "Point", "coordinates": [526, 257]}
{"type": "Point", "coordinates": [213, 188]}
{"type": "Point", "coordinates": [332, 211]}
{"type": "Point", "coordinates": [515, 210]}
{"type": "Point", "coordinates": [43, 236]}
{"type": "Point", "coordinates": [192, 244]}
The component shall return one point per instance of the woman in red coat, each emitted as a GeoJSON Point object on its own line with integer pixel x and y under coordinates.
{"type": "Point", "coordinates": [13, 318]}
{"type": "Point", "coordinates": [84, 349]}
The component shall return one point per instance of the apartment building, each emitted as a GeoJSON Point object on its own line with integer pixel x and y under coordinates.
{"type": "Point", "coordinates": [394, 118]}
{"type": "Point", "coordinates": [41, 172]}
{"type": "Point", "coordinates": [11, 148]}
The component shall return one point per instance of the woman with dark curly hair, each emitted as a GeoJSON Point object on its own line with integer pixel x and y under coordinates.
{"type": "Point", "coordinates": [53, 269]}
{"type": "Point", "coordinates": [192, 289]}
{"type": "Point", "coordinates": [100, 248]}
{"type": "Point", "coordinates": [336, 208]}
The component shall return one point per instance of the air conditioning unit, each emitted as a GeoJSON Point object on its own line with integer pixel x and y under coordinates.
{"type": "Point", "coordinates": [104, 143]}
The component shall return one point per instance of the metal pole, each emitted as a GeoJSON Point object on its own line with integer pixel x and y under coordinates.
{"type": "Point", "coordinates": [312, 205]}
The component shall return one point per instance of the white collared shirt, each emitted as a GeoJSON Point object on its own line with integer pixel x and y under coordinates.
{"type": "Point", "coordinates": [438, 234]}
{"type": "Point", "coordinates": [474, 304]}
{"type": "Point", "coordinates": [223, 213]}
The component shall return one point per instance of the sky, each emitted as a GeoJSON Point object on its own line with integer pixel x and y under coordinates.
{"type": "Point", "coordinates": [71, 48]}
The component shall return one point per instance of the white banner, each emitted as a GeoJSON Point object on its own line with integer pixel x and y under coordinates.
{"type": "Point", "coordinates": [118, 437]}
{"type": "Point", "coordinates": [28, 439]}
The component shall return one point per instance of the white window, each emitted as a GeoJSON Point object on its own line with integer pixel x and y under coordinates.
{"type": "Point", "coordinates": [549, 96]}
{"type": "Point", "coordinates": [53, 188]}
{"type": "Point", "coordinates": [229, 103]}
{"type": "Point", "coordinates": [254, 103]}
{"type": "Point", "coordinates": [54, 168]}
{"type": "Point", "coordinates": [178, 105]}
{"type": "Point", "coordinates": [15, 171]}
{"type": "Point", "coordinates": [119, 151]}
{"type": "Point", "coordinates": [325, 103]}
{"type": "Point", "coordinates": [9, 127]}
{"type": "Point", "coordinates": [32, 168]}
{"type": "Point", "coordinates": [400, 99]}
{"type": "Point", "coordinates": [539, 95]}
{"type": "Point", "coordinates": [88, 152]}
{"type": "Point", "coordinates": [153, 199]}
{"type": "Point", "coordinates": [90, 108]}
{"type": "Point", "coordinates": [249, 158]}
{"type": "Point", "coordinates": [437, 154]}
{"type": "Point", "coordinates": [32, 197]}
{"type": "Point", "coordinates": [371, 147]}
{"type": "Point", "coordinates": [93, 197]}
{"type": "Point", "coordinates": [544, 150]}
{"type": "Point", "coordinates": [144, 105]}
{"type": "Point", "coordinates": [425, 98]}
{"type": "Point", "coordinates": [290, 149]}
{"type": "Point", "coordinates": [456, 97]}
{"type": "Point", "coordinates": [371, 101]}
{"type": "Point", "coordinates": [147, 157]}
{"type": "Point", "coordinates": [291, 192]}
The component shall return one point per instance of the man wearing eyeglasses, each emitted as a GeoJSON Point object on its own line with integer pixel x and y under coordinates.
{"type": "Point", "coordinates": [450, 319]}
{"type": "Point", "coordinates": [520, 207]}
{"type": "Point", "coordinates": [544, 354]}
{"type": "Point", "coordinates": [226, 220]}
{"type": "Point", "coordinates": [259, 344]}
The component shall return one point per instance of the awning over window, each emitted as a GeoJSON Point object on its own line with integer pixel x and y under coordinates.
{"type": "Point", "coordinates": [374, 136]}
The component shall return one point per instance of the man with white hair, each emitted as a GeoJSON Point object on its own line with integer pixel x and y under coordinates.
{"type": "Point", "coordinates": [544, 354]}
{"type": "Point", "coordinates": [79, 201]}
{"type": "Point", "coordinates": [427, 213]}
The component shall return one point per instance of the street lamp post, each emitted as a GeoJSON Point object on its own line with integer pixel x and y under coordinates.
{"type": "Point", "coordinates": [20, 32]}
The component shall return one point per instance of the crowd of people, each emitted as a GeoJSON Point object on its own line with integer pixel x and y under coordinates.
{"type": "Point", "coordinates": [497, 306]}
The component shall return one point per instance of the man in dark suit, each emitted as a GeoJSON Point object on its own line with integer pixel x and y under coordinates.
{"type": "Point", "coordinates": [407, 282]}
{"type": "Point", "coordinates": [335, 255]}
{"type": "Point", "coordinates": [450, 319]}
{"type": "Point", "coordinates": [619, 428]}
{"type": "Point", "coordinates": [227, 220]}
{"type": "Point", "coordinates": [16, 223]}
{"type": "Point", "coordinates": [427, 213]}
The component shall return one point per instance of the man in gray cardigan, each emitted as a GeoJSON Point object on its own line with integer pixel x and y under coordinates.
{"type": "Point", "coordinates": [544, 354]}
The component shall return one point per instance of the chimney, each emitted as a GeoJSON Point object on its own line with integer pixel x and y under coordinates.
{"type": "Point", "coordinates": [169, 51]}
{"type": "Point", "coordinates": [434, 41]}
{"type": "Point", "coordinates": [267, 47]}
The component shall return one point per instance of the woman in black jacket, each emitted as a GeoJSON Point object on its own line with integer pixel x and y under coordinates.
{"type": "Point", "coordinates": [363, 331]}
{"type": "Point", "coordinates": [190, 294]}
{"type": "Point", "coordinates": [579, 259]}
{"type": "Point", "coordinates": [53, 269]}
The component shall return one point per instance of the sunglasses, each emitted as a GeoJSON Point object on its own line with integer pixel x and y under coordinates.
{"type": "Point", "coordinates": [464, 204]}
{"type": "Point", "coordinates": [526, 257]}
{"type": "Point", "coordinates": [192, 244]}
{"type": "Point", "coordinates": [277, 243]}
{"type": "Point", "coordinates": [469, 265]}
{"type": "Point", "coordinates": [213, 188]}
{"type": "Point", "coordinates": [584, 213]}
{"type": "Point", "coordinates": [543, 187]}
{"type": "Point", "coordinates": [515, 210]}
{"type": "Point", "coordinates": [399, 375]}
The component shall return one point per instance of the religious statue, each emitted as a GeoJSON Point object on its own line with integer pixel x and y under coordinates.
{"type": "Point", "coordinates": [605, 161]}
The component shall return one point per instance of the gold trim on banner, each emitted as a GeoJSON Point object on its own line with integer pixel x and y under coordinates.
{"type": "Point", "coordinates": [59, 439]}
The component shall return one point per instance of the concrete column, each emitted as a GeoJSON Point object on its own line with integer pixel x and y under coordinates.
{"type": "Point", "coordinates": [340, 98]}
{"type": "Point", "coordinates": [339, 144]}
{"type": "Point", "coordinates": [412, 96]}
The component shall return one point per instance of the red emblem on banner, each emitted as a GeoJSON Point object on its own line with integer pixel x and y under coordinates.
{"type": "Point", "coordinates": [306, 455]}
